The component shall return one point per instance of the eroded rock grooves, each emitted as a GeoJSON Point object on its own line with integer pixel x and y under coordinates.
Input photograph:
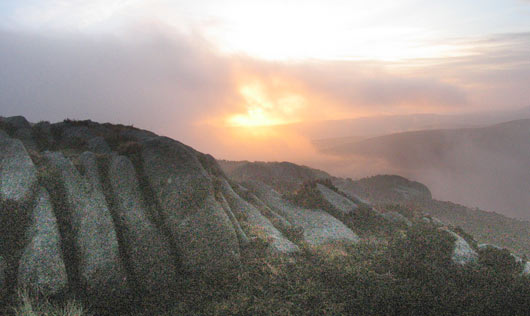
{"type": "Point", "coordinates": [205, 238]}
{"type": "Point", "coordinates": [115, 212]}
{"type": "Point", "coordinates": [41, 265]}
{"type": "Point", "coordinates": [18, 182]}
{"type": "Point", "coordinates": [95, 242]}
{"type": "Point", "coordinates": [149, 255]}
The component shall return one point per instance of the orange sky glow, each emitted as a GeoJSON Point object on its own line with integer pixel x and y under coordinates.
{"type": "Point", "coordinates": [251, 79]}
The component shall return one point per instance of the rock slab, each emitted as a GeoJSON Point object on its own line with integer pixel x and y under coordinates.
{"type": "Point", "coordinates": [338, 201]}
{"type": "Point", "coordinates": [184, 192]}
{"type": "Point", "coordinates": [278, 243]}
{"type": "Point", "coordinates": [95, 240]}
{"type": "Point", "coordinates": [18, 175]}
{"type": "Point", "coordinates": [41, 266]}
{"type": "Point", "coordinates": [149, 253]}
{"type": "Point", "coordinates": [463, 254]}
{"type": "Point", "coordinates": [319, 226]}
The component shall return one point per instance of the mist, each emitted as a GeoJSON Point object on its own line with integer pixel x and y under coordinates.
{"type": "Point", "coordinates": [477, 167]}
{"type": "Point", "coordinates": [180, 85]}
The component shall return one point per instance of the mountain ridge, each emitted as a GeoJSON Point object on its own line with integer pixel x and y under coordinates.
{"type": "Point", "coordinates": [483, 166]}
{"type": "Point", "coordinates": [125, 220]}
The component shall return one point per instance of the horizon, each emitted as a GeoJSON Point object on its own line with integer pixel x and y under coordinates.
{"type": "Point", "coordinates": [236, 69]}
{"type": "Point", "coordinates": [270, 81]}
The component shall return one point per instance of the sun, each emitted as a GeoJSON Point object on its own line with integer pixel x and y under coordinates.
{"type": "Point", "coordinates": [266, 109]}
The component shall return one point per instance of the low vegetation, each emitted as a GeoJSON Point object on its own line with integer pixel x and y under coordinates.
{"type": "Point", "coordinates": [396, 269]}
{"type": "Point", "coordinates": [411, 274]}
{"type": "Point", "coordinates": [486, 227]}
{"type": "Point", "coordinates": [32, 305]}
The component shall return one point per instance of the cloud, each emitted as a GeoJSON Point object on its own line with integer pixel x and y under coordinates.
{"type": "Point", "coordinates": [155, 81]}
{"type": "Point", "coordinates": [179, 85]}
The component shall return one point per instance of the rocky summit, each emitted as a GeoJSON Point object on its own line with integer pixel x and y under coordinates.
{"type": "Point", "coordinates": [115, 213]}
{"type": "Point", "coordinates": [111, 211]}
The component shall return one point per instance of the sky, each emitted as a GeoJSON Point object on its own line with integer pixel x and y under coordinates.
{"type": "Point", "coordinates": [222, 75]}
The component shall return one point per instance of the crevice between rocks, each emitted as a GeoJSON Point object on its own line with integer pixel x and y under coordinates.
{"type": "Point", "coordinates": [15, 219]}
{"type": "Point", "coordinates": [49, 178]}
{"type": "Point", "coordinates": [153, 208]}
{"type": "Point", "coordinates": [123, 248]}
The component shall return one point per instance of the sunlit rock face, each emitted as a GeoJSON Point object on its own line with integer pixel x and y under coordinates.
{"type": "Point", "coordinates": [462, 253]}
{"type": "Point", "coordinates": [279, 243]}
{"type": "Point", "coordinates": [318, 226]}
{"type": "Point", "coordinates": [338, 201]}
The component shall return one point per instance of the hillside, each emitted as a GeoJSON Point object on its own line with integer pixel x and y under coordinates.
{"type": "Point", "coordinates": [382, 190]}
{"type": "Point", "coordinates": [126, 222]}
{"type": "Point", "coordinates": [486, 227]}
{"type": "Point", "coordinates": [485, 167]}
{"type": "Point", "coordinates": [283, 176]}
{"type": "Point", "coordinates": [337, 131]}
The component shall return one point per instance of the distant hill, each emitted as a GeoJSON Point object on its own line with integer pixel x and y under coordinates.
{"type": "Point", "coordinates": [385, 189]}
{"type": "Point", "coordinates": [382, 190]}
{"type": "Point", "coordinates": [324, 132]}
{"type": "Point", "coordinates": [485, 167]}
{"type": "Point", "coordinates": [486, 227]}
{"type": "Point", "coordinates": [283, 176]}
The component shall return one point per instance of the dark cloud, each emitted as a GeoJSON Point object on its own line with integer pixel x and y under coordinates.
{"type": "Point", "coordinates": [154, 81]}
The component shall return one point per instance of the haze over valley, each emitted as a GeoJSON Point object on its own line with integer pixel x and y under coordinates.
{"type": "Point", "coordinates": [341, 157]}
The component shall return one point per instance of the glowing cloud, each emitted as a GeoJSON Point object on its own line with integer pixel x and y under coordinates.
{"type": "Point", "coordinates": [265, 109]}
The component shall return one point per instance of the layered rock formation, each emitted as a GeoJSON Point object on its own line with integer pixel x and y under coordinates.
{"type": "Point", "coordinates": [113, 211]}
{"type": "Point", "coordinates": [108, 210]}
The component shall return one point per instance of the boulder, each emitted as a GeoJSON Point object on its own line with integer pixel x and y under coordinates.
{"type": "Point", "coordinates": [278, 243]}
{"type": "Point", "coordinates": [526, 268]}
{"type": "Point", "coordinates": [17, 122]}
{"type": "Point", "coordinates": [94, 235]}
{"type": "Point", "coordinates": [278, 221]}
{"type": "Point", "coordinates": [41, 266]}
{"type": "Point", "coordinates": [18, 175]}
{"type": "Point", "coordinates": [463, 254]}
{"type": "Point", "coordinates": [432, 220]}
{"type": "Point", "coordinates": [525, 264]}
{"type": "Point", "coordinates": [338, 201]}
{"type": "Point", "coordinates": [184, 191]}
{"type": "Point", "coordinates": [148, 251]}
{"type": "Point", "coordinates": [98, 145]}
{"type": "Point", "coordinates": [26, 136]}
{"type": "Point", "coordinates": [319, 226]}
